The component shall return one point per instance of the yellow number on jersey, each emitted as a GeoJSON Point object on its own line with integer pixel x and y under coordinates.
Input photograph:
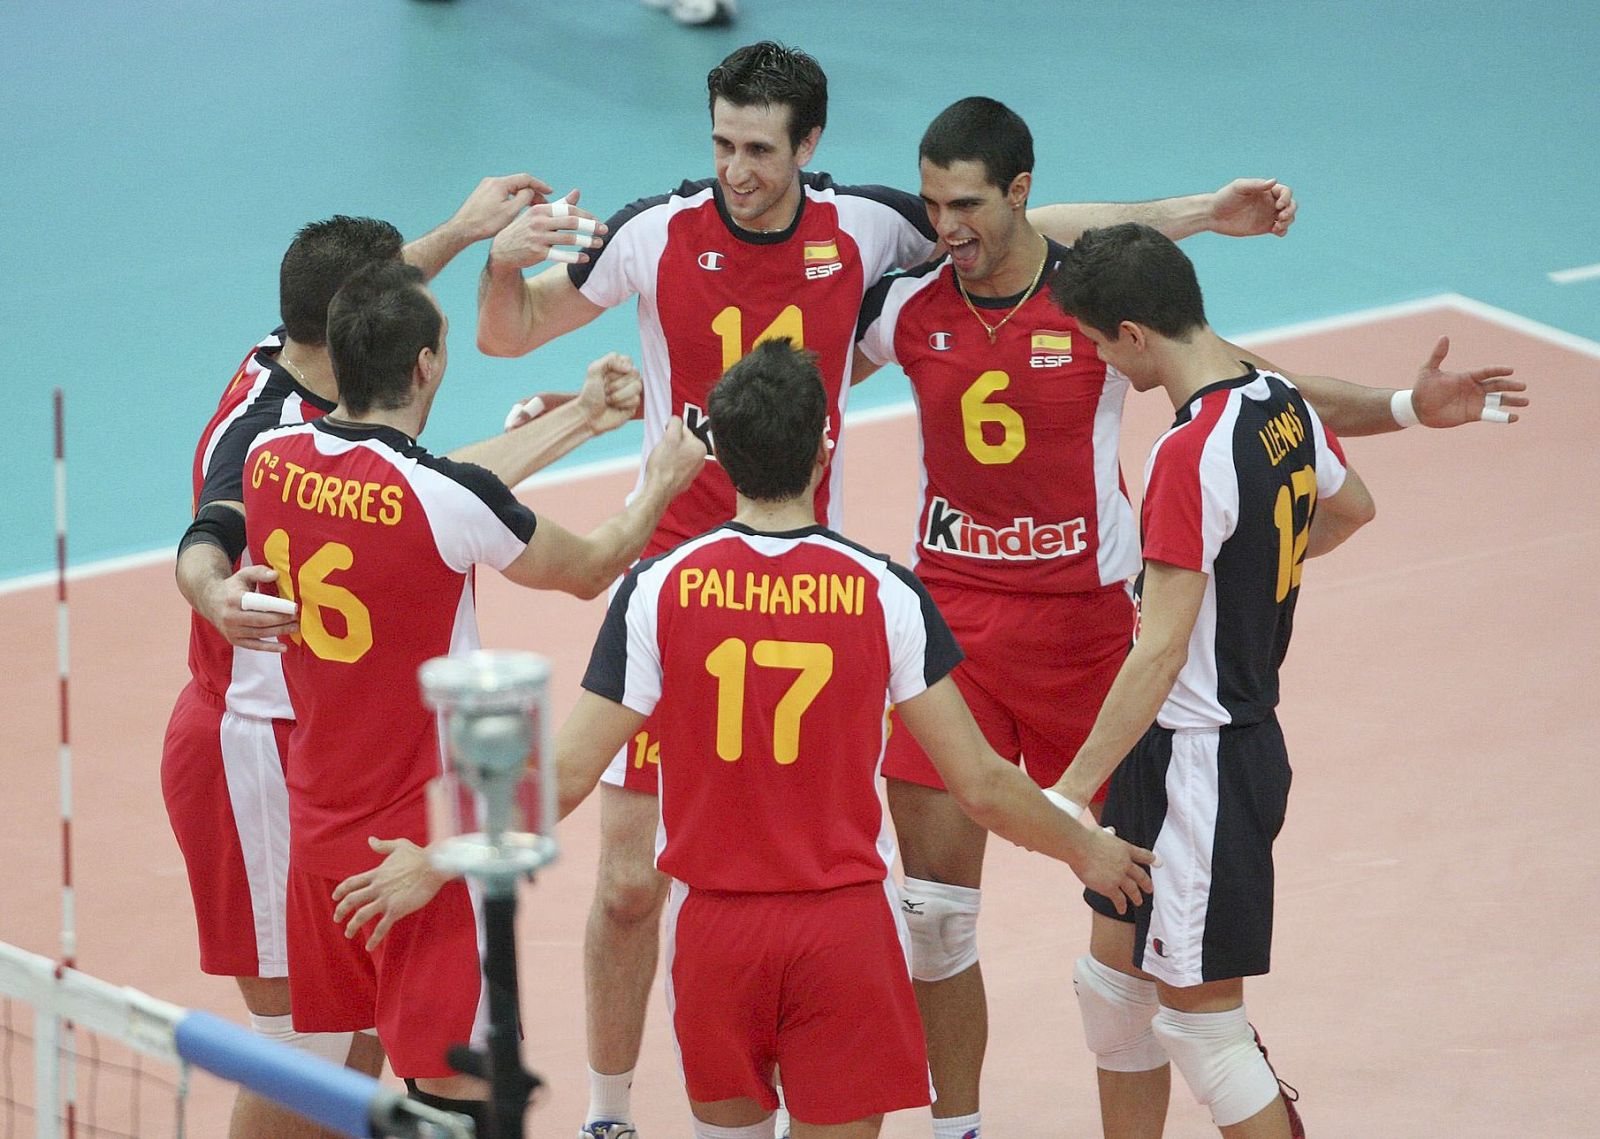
{"type": "Point", "coordinates": [316, 593]}
{"type": "Point", "coordinates": [812, 659]}
{"type": "Point", "coordinates": [976, 410]}
{"type": "Point", "coordinates": [729, 325]}
{"type": "Point", "coordinates": [1292, 540]}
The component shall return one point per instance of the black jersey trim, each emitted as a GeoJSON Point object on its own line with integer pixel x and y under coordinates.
{"type": "Point", "coordinates": [481, 481]}
{"type": "Point", "coordinates": [942, 653]}
{"type": "Point", "coordinates": [1054, 252]}
{"type": "Point", "coordinates": [1245, 379]}
{"type": "Point", "coordinates": [877, 296]}
{"type": "Point", "coordinates": [907, 205]}
{"type": "Point", "coordinates": [224, 481]}
{"type": "Point", "coordinates": [607, 674]}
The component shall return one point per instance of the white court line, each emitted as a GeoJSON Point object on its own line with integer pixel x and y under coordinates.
{"type": "Point", "coordinates": [1571, 276]}
{"type": "Point", "coordinates": [603, 467]}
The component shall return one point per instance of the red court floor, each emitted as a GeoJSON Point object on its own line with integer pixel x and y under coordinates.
{"type": "Point", "coordinates": [1435, 963]}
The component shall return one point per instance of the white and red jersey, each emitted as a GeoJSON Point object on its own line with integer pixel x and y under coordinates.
{"type": "Point", "coordinates": [708, 291]}
{"type": "Point", "coordinates": [262, 395]}
{"type": "Point", "coordinates": [768, 662]}
{"type": "Point", "coordinates": [1230, 491]}
{"type": "Point", "coordinates": [376, 540]}
{"type": "Point", "coordinates": [1021, 489]}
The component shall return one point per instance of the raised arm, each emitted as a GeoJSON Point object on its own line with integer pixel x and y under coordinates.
{"type": "Point", "coordinates": [1170, 606]}
{"type": "Point", "coordinates": [1001, 798]}
{"type": "Point", "coordinates": [517, 314]}
{"type": "Point", "coordinates": [1438, 399]}
{"type": "Point", "coordinates": [487, 210]}
{"type": "Point", "coordinates": [610, 395]}
{"type": "Point", "coordinates": [1245, 207]}
{"type": "Point", "coordinates": [584, 566]}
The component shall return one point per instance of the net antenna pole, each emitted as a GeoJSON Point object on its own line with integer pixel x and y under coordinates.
{"type": "Point", "coordinates": [492, 818]}
{"type": "Point", "coordinates": [68, 1076]}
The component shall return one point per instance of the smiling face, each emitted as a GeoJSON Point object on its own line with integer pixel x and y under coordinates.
{"type": "Point", "coordinates": [757, 166]}
{"type": "Point", "coordinates": [984, 226]}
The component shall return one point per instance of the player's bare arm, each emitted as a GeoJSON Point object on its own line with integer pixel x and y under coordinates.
{"type": "Point", "coordinates": [585, 566]}
{"type": "Point", "coordinates": [206, 579]}
{"type": "Point", "coordinates": [517, 314]}
{"type": "Point", "coordinates": [488, 209]}
{"type": "Point", "coordinates": [595, 731]}
{"type": "Point", "coordinates": [1340, 515]}
{"type": "Point", "coordinates": [610, 395]}
{"type": "Point", "coordinates": [1002, 798]}
{"type": "Point", "coordinates": [1439, 398]}
{"type": "Point", "coordinates": [1170, 605]}
{"type": "Point", "coordinates": [1245, 207]}
{"type": "Point", "coordinates": [400, 885]}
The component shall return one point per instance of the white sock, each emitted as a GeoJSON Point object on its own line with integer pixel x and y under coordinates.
{"type": "Point", "coordinates": [609, 1097]}
{"type": "Point", "coordinates": [957, 1126]}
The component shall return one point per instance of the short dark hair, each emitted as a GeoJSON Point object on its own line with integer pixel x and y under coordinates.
{"type": "Point", "coordinates": [769, 74]}
{"type": "Point", "coordinates": [318, 260]}
{"type": "Point", "coordinates": [1129, 272]}
{"type": "Point", "coordinates": [380, 319]}
{"type": "Point", "coordinates": [767, 414]}
{"type": "Point", "coordinates": [983, 130]}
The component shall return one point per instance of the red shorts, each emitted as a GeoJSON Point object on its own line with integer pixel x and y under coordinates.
{"type": "Point", "coordinates": [815, 983]}
{"type": "Point", "coordinates": [1038, 668]}
{"type": "Point", "coordinates": [222, 780]}
{"type": "Point", "coordinates": [420, 988]}
{"type": "Point", "coordinates": [637, 767]}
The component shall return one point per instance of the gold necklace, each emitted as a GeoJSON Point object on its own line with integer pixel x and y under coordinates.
{"type": "Point", "coordinates": [994, 329]}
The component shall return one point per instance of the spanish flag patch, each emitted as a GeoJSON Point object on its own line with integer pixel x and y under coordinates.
{"type": "Point", "coordinates": [819, 251]}
{"type": "Point", "coordinates": [1052, 342]}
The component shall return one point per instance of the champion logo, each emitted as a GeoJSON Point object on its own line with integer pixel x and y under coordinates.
{"type": "Point", "coordinates": [952, 531]}
{"type": "Point", "coordinates": [1159, 946]}
{"type": "Point", "coordinates": [940, 341]}
{"type": "Point", "coordinates": [711, 260]}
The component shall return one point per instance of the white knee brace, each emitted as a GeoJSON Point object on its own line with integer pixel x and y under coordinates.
{"type": "Point", "coordinates": [1116, 1011]}
{"type": "Point", "coordinates": [943, 921]}
{"type": "Point", "coordinates": [1218, 1056]}
{"type": "Point", "coordinates": [331, 1046]}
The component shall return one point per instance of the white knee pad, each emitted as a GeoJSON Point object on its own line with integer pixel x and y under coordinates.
{"type": "Point", "coordinates": [1116, 1010]}
{"type": "Point", "coordinates": [333, 1047]}
{"type": "Point", "coordinates": [943, 921]}
{"type": "Point", "coordinates": [1218, 1056]}
{"type": "Point", "coordinates": [762, 1130]}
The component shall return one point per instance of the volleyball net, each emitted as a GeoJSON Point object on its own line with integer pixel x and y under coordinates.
{"type": "Point", "coordinates": [111, 1061]}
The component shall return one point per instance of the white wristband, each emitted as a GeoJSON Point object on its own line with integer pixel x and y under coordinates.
{"type": "Point", "coordinates": [1074, 810]}
{"type": "Point", "coordinates": [1403, 410]}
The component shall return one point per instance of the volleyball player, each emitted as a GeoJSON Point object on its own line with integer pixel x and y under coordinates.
{"type": "Point", "coordinates": [1244, 486]}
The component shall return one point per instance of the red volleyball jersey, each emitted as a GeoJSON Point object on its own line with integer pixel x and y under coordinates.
{"type": "Point", "coordinates": [1021, 489]}
{"type": "Point", "coordinates": [376, 540]}
{"type": "Point", "coordinates": [768, 662]}
{"type": "Point", "coordinates": [708, 291]}
{"type": "Point", "coordinates": [1230, 491]}
{"type": "Point", "coordinates": [260, 396]}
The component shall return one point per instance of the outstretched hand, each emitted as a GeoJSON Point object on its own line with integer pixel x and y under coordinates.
{"type": "Point", "coordinates": [1249, 207]}
{"type": "Point", "coordinates": [533, 234]}
{"type": "Point", "coordinates": [495, 202]}
{"type": "Point", "coordinates": [1450, 399]}
{"type": "Point", "coordinates": [397, 887]}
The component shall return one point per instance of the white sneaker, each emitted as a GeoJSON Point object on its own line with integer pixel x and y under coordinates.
{"type": "Point", "coordinates": [608, 1128]}
{"type": "Point", "coordinates": [698, 13]}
